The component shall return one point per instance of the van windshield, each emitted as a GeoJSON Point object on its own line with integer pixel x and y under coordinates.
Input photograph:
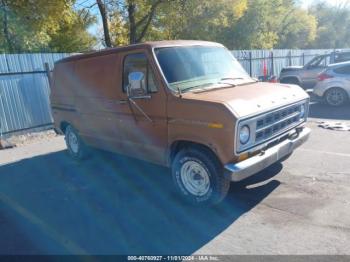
{"type": "Point", "coordinates": [192, 67]}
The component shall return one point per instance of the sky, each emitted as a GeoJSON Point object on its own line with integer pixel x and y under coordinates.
{"type": "Point", "coordinates": [306, 3]}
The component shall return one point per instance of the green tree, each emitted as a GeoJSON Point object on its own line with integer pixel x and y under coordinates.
{"type": "Point", "coordinates": [199, 19]}
{"type": "Point", "coordinates": [297, 30]}
{"type": "Point", "coordinates": [131, 17]}
{"type": "Point", "coordinates": [132, 21]}
{"type": "Point", "coordinates": [255, 28]}
{"type": "Point", "coordinates": [273, 23]}
{"type": "Point", "coordinates": [72, 34]}
{"type": "Point", "coordinates": [333, 26]}
{"type": "Point", "coordinates": [29, 25]}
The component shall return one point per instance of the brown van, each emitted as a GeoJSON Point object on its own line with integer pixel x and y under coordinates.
{"type": "Point", "coordinates": [188, 105]}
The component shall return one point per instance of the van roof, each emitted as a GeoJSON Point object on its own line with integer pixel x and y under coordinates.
{"type": "Point", "coordinates": [150, 45]}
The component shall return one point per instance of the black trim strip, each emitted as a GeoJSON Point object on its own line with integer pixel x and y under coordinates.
{"type": "Point", "coordinates": [28, 128]}
{"type": "Point", "coordinates": [22, 73]}
{"type": "Point", "coordinates": [64, 109]}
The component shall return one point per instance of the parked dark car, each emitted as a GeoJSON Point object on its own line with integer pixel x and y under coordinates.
{"type": "Point", "coordinates": [306, 76]}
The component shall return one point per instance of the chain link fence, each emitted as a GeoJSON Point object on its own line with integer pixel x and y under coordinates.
{"type": "Point", "coordinates": [266, 63]}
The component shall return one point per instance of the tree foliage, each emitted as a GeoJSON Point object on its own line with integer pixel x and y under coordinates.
{"type": "Point", "coordinates": [235, 23]}
{"type": "Point", "coordinates": [274, 24]}
{"type": "Point", "coordinates": [128, 19]}
{"type": "Point", "coordinates": [333, 26]}
{"type": "Point", "coordinates": [72, 34]}
{"type": "Point", "coordinates": [40, 25]}
{"type": "Point", "coordinates": [62, 26]}
{"type": "Point", "coordinates": [200, 19]}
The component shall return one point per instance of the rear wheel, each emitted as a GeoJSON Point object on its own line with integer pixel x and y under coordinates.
{"type": "Point", "coordinates": [199, 176]}
{"type": "Point", "coordinates": [76, 147]}
{"type": "Point", "coordinates": [336, 96]}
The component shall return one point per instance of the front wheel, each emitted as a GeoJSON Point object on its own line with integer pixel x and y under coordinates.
{"type": "Point", "coordinates": [199, 177]}
{"type": "Point", "coordinates": [336, 96]}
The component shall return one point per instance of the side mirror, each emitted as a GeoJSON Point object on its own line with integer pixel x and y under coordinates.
{"type": "Point", "coordinates": [136, 85]}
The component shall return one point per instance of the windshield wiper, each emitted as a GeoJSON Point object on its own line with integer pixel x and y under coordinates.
{"type": "Point", "coordinates": [231, 78]}
{"type": "Point", "coordinates": [196, 87]}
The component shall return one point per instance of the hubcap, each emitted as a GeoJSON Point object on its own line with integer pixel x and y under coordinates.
{"type": "Point", "coordinates": [73, 142]}
{"type": "Point", "coordinates": [195, 178]}
{"type": "Point", "coordinates": [335, 97]}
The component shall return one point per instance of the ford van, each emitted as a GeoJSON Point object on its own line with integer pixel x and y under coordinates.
{"type": "Point", "coordinates": [187, 105]}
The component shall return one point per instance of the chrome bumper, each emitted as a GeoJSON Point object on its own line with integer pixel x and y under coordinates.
{"type": "Point", "coordinates": [259, 162]}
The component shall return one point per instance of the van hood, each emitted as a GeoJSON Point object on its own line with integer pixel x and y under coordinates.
{"type": "Point", "coordinates": [251, 99]}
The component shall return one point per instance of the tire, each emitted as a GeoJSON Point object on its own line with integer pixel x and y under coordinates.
{"type": "Point", "coordinates": [75, 146]}
{"type": "Point", "coordinates": [199, 176]}
{"type": "Point", "coordinates": [336, 96]}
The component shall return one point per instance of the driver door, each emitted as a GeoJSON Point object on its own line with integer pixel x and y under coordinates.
{"type": "Point", "coordinates": [143, 130]}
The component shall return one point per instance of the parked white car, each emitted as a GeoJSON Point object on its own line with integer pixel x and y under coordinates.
{"type": "Point", "coordinates": [333, 84]}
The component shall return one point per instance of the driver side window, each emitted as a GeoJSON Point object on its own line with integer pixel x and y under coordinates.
{"type": "Point", "coordinates": [138, 63]}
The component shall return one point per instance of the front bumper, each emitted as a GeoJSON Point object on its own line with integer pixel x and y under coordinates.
{"type": "Point", "coordinates": [259, 162]}
{"type": "Point", "coordinates": [319, 90]}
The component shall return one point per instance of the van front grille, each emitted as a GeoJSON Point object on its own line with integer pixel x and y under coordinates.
{"type": "Point", "coordinates": [273, 123]}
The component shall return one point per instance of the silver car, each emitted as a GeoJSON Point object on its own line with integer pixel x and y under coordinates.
{"type": "Point", "coordinates": [333, 84]}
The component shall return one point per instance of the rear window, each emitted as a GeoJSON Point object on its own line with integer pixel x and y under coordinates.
{"type": "Point", "coordinates": [344, 70]}
{"type": "Point", "coordinates": [342, 57]}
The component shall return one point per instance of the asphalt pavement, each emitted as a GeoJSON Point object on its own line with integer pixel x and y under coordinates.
{"type": "Point", "coordinates": [109, 204]}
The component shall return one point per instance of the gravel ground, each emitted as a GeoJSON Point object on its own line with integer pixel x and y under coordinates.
{"type": "Point", "coordinates": [25, 139]}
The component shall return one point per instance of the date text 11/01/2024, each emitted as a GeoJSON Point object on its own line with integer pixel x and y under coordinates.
{"type": "Point", "coordinates": [173, 258]}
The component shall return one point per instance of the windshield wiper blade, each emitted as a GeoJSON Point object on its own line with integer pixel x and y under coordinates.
{"type": "Point", "coordinates": [196, 87]}
{"type": "Point", "coordinates": [231, 78]}
{"type": "Point", "coordinates": [235, 78]}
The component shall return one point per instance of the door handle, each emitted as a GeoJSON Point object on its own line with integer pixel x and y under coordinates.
{"type": "Point", "coordinates": [123, 101]}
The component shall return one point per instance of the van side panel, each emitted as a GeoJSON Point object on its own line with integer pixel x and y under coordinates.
{"type": "Point", "coordinates": [97, 92]}
{"type": "Point", "coordinates": [62, 94]}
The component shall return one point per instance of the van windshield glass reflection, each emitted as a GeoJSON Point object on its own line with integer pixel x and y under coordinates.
{"type": "Point", "coordinates": [187, 68]}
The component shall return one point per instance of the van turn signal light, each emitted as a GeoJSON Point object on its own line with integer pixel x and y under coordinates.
{"type": "Point", "coordinates": [215, 125]}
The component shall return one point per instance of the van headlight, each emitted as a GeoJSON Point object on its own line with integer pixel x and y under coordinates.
{"type": "Point", "coordinates": [244, 134]}
{"type": "Point", "coordinates": [302, 111]}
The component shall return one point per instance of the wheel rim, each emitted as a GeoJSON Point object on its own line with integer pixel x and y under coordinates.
{"type": "Point", "coordinates": [73, 142]}
{"type": "Point", "coordinates": [195, 178]}
{"type": "Point", "coordinates": [335, 97]}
